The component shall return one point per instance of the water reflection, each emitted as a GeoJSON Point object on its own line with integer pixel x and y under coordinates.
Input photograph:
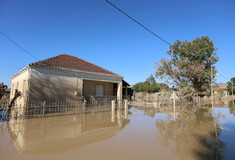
{"type": "Point", "coordinates": [192, 134]}
{"type": "Point", "coordinates": [188, 133]}
{"type": "Point", "coordinates": [232, 107]}
{"type": "Point", "coordinates": [64, 133]}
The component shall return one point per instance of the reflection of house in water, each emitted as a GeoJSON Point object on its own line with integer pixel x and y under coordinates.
{"type": "Point", "coordinates": [64, 133]}
{"type": "Point", "coordinates": [65, 78]}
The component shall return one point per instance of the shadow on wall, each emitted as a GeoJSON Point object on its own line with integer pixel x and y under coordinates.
{"type": "Point", "coordinates": [52, 88]}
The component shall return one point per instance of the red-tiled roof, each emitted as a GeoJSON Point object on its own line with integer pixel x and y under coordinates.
{"type": "Point", "coordinates": [64, 61]}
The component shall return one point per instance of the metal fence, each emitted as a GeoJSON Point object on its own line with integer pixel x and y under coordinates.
{"type": "Point", "coordinates": [51, 109]}
{"type": "Point", "coordinates": [95, 104]}
{"type": "Point", "coordinates": [103, 100]}
{"type": "Point", "coordinates": [96, 100]}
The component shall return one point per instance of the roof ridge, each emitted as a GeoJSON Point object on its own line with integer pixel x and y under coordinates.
{"type": "Point", "coordinates": [89, 63]}
{"type": "Point", "coordinates": [47, 59]}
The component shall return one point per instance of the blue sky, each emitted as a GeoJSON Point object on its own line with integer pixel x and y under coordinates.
{"type": "Point", "coordinates": [95, 31]}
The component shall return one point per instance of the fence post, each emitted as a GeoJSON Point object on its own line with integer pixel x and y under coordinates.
{"type": "Point", "coordinates": [44, 108]}
{"type": "Point", "coordinates": [119, 117]}
{"type": "Point", "coordinates": [113, 111]}
{"type": "Point", "coordinates": [113, 105]}
{"type": "Point", "coordinates": [126, 109]}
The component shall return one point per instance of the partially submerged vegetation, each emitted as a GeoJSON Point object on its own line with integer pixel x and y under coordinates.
{"type": "Point", "coordinates": [4, 95]}
{"type": "Point", "coordinates": [3, 89]}
{"type": "Point", "coordinates": [191, 65]}
{"type": "Point", "coordinates": [229, 86]}
{"type": "Point", "coordinates": [150, 86]}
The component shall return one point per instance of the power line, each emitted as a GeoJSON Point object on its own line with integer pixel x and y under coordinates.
{"type": "Point", "coordinates": [14, 42]}
{"type": "Point", "coordinates": [138, 23]}
{"type": "Point", "coordinates": [223, 76]}
{"type": "Point", "coordinates": [8, 66]}
{"type": "Point", "coordinates": [145, 27]}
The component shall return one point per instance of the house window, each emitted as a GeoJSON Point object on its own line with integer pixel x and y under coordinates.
{"type": "Point", "coordinates": [99, 90]}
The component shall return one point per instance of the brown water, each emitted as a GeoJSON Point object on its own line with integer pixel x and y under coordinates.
{"type": "Point", "coordinates": [146, 133]}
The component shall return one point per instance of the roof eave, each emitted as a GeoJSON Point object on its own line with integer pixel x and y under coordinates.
{"type": "Point", "coordinates": [76, 70]}
{"type": "Point", "coordinates": [18, 73]}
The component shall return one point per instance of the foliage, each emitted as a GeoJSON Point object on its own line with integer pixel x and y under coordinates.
{"type": "Point", "coordinates": [190, 64]}
{"type": "Point", "coordinates": [149, 85]}
{"type": "Point", "coordinates": [3, 87]}
{"type": "Point", "coordinates": [229, 86]}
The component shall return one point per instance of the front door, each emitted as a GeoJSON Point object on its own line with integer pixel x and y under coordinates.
{"type": "Point", "coordinates": [99, 90]}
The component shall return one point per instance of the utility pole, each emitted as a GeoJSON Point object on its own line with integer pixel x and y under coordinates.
{"type": "Point", "coordinates": [232, 89]}
{"type": "Point", "coordinates": [211, 85]}
{"type": "Point", "coordinates": [174, 103]}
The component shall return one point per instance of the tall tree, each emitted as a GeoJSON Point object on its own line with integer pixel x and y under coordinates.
{"type": "Point", "coordinates": [150, 80]}
{"type": "Point", "coordinates": [229, 86]}
{"type": "Point", "coordinates": [190, 64]}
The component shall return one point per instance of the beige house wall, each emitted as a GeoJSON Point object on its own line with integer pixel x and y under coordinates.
{"type": "Point", "coordinates": [39, 84]}
{"type": "Point", "coordinates": [54, 86]}
{"type": "Point", "coordinates": [20, 82]}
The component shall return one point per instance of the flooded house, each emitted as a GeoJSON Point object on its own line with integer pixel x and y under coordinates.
{"type": "Point", "coordinates": [65, 78]}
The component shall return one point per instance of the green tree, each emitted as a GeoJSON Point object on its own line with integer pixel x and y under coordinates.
{"type": "Point", "coordinates": [190, 64]}
{"type": "Point", "coordinates": [3, 88]}
{"type": "Point", "coordinates": [229, 86]}
{"type": "Point", "coordinates": [149, 85]}
{"type": "Point", "coordinates": [150, 80]}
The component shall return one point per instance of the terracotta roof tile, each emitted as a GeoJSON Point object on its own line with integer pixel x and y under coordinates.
{"type": "Point", "coordinates": [64, 61]}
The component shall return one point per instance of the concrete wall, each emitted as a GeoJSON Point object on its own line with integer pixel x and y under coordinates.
{"type": "Point", "coordinates": [89, 88]}
{"type": "Point", "coordinates": [53, 85]}
{"type": "Point", "coordinates": [21, 83]}
{"type": "Point", "coordinates": [39, 84]}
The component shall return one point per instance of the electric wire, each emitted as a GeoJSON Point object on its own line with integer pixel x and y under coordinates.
{"type": "Point", "coordinates": [9, 66]}
{"type": "Point", "coordinates": [138, 23]}
{"type": "Point", "coordinates": [223, 76]}
{"type": "Point", "coordinates": [14, 42]}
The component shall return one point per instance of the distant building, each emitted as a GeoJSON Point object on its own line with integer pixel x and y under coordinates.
{"type": "Point", "coordinates": [220, 89]}
{"type": "Point", "coordinates": [64, 78]}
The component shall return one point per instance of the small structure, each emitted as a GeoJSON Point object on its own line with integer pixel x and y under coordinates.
{"type": "Point", "coordinates": [127, 90]}
{"type": "Point", "coordinates": [220, 89]}
{"type": "Point", "coordinates": [65, 78]}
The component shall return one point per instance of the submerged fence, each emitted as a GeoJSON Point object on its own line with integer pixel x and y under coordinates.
{"type": "Point", "coordinates": [164, 100]}
{"type": "Point", "coordinates": [51, 109]}
{"type": "Point", "coordinates": [95, 104]}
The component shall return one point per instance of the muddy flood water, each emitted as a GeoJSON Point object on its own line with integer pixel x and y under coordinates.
{"type": "Point", "coordinates": [145, 133]}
